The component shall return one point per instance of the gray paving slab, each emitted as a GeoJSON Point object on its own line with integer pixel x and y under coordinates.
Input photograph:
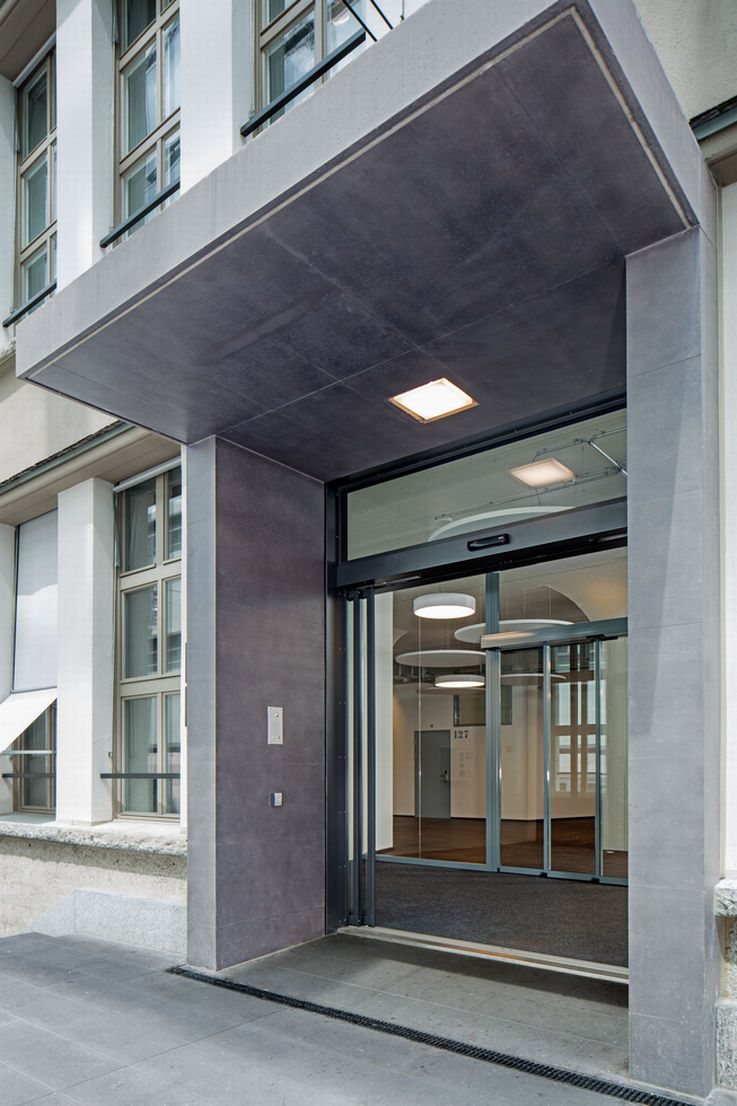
{"type": "Point", "coordinates": [137, 1035]}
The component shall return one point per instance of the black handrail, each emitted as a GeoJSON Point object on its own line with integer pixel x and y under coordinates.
{"type": "Point", "coordinates": [294, 90]}
{"type": "Point", "coordinates": [142, 212]}
{"type": "Point", "coordinates": [140, 775]}
{"type": "Point", "coordinates": [29, 304]}
{"type": "Point", "coordinates": [28, 775]}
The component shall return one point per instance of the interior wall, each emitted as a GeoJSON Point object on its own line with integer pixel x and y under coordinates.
{"type": "Point", "coordinates": [256, 620]}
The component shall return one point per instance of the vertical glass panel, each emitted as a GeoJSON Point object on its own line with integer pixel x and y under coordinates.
{"type": "Point", "coordinates": [139, 525]}
{"type": "Point", "coordinates": [290, 57]}
{"type": "Point", "coordinates": [140, 754]}
{"type": "Point", "coordinates": [614, 842]}
{"type": "Point", "coordinates": [173, 624]}
{"type": "Point", "coordinates": [172, 159]}
{"type": "Point", "coordinates": [140, 187]}
{"type": "Point", "coordinates": [35, 184]}
{"type": "Point", "coordinates": [53, 183]}
{"type": "Point", "coordinates": [272, 8]}
{"type": "Point", "coordinates": [170, 39]}
{"type": "Point", "coordinates": [36, 604]}
{"type": "Point", "coordinates": [37, 793]}
{"type": "Point", "coordinates": [573, 759]}
{"type": "Point", "coordinates": [141, 632]}
{"type": "Point", "coordinates": [139, 95]}
{"type": "Point", "coordinates": [34, 274]}
{"type": "Point", "coordinates": [172, 751]}
{"type": "Point", "coordinates": [430, 725]}
{"type": "Point", "coordinates": [341, 24]}
{"type": "Point", "coordinates": [481, 493]}
{"type": "Point", "coordinates": [137, 15]}
{"type": "Point", "coordinates": [559, 593]}
{"type": "Point", "coordinates": [35, 112]}
{"type": "Point", "coordinates": [52, 265]}
{"type": "Point", "coordinates": [174, 513]}
{"type": "Point", "coordinates": [522, 760]}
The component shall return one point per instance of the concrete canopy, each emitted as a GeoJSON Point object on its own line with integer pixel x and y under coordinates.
{"type": "Point", "coordinates": [356, 249]}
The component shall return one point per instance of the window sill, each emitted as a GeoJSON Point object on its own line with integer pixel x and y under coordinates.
{"type": "Point", "coordinates": [142, 837]}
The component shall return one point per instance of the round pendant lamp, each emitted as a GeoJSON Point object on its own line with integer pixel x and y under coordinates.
{"type": "Point", "coordinates": [461, 680]}
{"type": "Point", "coordinates": [446, 604]}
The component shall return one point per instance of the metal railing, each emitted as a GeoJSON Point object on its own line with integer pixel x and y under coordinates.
{"type": "Point", "coordinates": [140, 775]}
{"type": "Point", "coordinates": [142, 212]}
{"type": "Point", "coordinates": [24, 308]}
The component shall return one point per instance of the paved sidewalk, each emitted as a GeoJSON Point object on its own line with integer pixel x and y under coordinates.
{"type": "Point", "coordinates": [85, 1021]}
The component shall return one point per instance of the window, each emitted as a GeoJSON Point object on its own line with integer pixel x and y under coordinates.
{"type": "Point", "coordinates": [296, 36]}
{"type": "Point", "coordinates": [36, 224]}
{"type": "Point", "coordinates": [33, 765]}
{"type": "Point", "coordinates": [150, 645]}
{"type": "Point", "coordinates": [148, 101]}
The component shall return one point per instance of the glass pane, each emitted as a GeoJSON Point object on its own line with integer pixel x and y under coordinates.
{"type": "Point", "coordinates": [559, 593]}
{"type": "Point", "coordinates": [174, 513]}
{"type": "Point", "coordinates": [172, 157]}
{"type": "Point", "coordinates": [139, 82]}
{"type": "Point", "coordinates": [141, 632]}
{"type": "Point", "coordinates": [52, 267]}
{"type": "Point", "coordinates": [137, 15]}
{"type": "Point", "coordinates": [614, 839]}
{"type": "Point", "coordinates": [172, 759]}
{"type": "Point", "coordinates": [37, 793]}
{"type": "Point", "coordinates": [272, 8]}
{"type": "Point", "coordinates": [139, 524]}
{"type": "Point", "coordinates": [573, 759]}
{"type": "Point", "coordinates": [140, 754]}
{"type": "Point", "coordinates": [34, 274]}
{"type": "Point", "coordinates": [171, 67]}
{"type": "Point", "coordinates": [340, 23]}
{"type": "Point", "coordinates": [173, 624]}
{"type": "Point", "coordinates": [35, 112]}
{"type": "Point", "coordinates": [34, 200]}
{"type": "Point", "coordinates": [480, 492]}
{"type": "Point", "coordinates": [139, 188]}
{"type": "Point", "coordinates": [430, 731]}
{"type": "Point", "coordinates": [290, 57]}
{"type": "Point", "coordinates": [53, 183]}
{"type": "Point", "coordinates": [522, 760]}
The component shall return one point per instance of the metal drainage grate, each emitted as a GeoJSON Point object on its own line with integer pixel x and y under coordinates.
{"type": "Point", "coordinates": [447, 1044]}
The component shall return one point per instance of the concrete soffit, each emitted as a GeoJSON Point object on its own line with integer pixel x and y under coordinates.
{"type": "Point", "coordinates": [460, 234]}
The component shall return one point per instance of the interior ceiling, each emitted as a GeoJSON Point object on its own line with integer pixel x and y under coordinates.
{"type": "Point", "coordinates": [482, 239]}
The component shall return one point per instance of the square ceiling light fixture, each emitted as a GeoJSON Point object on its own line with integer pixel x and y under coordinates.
{"type": "Point", "coordinates": [433, 401]}
{"type": "Point", "coordinates": [542, 474]}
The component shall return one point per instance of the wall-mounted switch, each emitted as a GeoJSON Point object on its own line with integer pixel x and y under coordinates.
{"type": "Point", "coordinates": [276, 798]}
{"type": "Point", "coordinates": [275, 725]}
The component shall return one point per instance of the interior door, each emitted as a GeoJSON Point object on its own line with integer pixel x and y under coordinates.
{"type": "Point", "coordinates": [432, 760]}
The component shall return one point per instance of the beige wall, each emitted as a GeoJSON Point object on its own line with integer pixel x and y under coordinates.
{"type": "Point", "coordinates": [37, 423]}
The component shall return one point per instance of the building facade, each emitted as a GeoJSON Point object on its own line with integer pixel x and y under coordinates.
{"type": "Point", "coordinates": [235, 547]}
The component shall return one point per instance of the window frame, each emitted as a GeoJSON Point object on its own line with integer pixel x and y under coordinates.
{"type": "Point", "coordinates": [166, 128]}
{"type": "Point", "coordinates": [45, 150]}
{"type": "Point", "coordinates": [269, 31]}
{"type": "Point", "coordinates": [20, 763]}
{"type": "Point", "coordinates": [164, 681]}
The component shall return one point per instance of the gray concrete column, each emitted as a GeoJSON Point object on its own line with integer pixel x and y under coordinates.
{"type": "Point", "coordinates": [674, 660]}
{"type": "Point", "coordinates": [255, 603]}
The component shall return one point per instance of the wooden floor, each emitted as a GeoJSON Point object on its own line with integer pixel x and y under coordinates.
{"type": "Point", "coordinates": [464, 840]}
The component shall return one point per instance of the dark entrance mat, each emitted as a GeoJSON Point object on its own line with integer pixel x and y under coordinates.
{"type": "Point", "coordinates": [586, 921]}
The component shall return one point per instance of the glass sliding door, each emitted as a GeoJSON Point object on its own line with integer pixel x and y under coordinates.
{"type": "Point", "coordinates": [522, 759]}
{"type": "Point", "coordinates": [573, 758]}
{"type": "Point", "coordinates": [431, 747]}
{"type": "Point", "coordinates": [613, 758]}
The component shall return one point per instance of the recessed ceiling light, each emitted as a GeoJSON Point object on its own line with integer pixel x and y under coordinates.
{"type": "Point", "coordinates": [433, 401]}
{"type": "Point", "coordinates": [542, 474]}
{"type": "Point", "coordinates": [442, 604]}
